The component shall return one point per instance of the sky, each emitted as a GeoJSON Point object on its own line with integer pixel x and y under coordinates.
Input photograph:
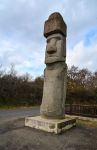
{"type": "Point", "coordinates": [21, 33]}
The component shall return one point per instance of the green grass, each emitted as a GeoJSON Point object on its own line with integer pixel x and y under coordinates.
{"type": "Point", "coordinates": [16, 106]}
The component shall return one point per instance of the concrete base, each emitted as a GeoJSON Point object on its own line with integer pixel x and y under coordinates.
{"type": "Point", "coordinates": [50, 125]}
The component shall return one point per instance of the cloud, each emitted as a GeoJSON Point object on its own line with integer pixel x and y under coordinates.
{"type": "Point", "coordinates": [21, 32]}
{"type": "Point", "coordinates": [81, 17]}
{"type": "Point", "coordinates": [25, 60]}
{"type": "Point", "coordinates": [82, 56]}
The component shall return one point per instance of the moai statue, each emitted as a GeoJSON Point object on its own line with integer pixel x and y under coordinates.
{"type": "Point", "coordinates": [52, 109]}
{"type": "Point", "coordinates": [54, 92]}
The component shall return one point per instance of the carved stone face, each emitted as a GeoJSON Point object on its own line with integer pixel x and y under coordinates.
{"type": "Point", "coordinates": [55, 50]}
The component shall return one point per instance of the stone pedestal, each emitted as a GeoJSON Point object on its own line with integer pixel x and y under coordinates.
{"type": "Point", "coordinates": [50, 125]}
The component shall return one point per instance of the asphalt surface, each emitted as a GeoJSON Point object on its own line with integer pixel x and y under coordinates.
{"type": "Point", "coordinates": [15, 136]}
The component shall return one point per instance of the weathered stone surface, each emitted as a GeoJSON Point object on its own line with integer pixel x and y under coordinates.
{"type": "Point", "coordinates": [55, 49]}
{"type": "Point", "coordinates": [55, 24]}
{"type": "Point", "coordinates": [53, 102]}
{"type": "Point", "coordinates": [52, 109]}
{"type": "Point", "coordinates": [55, 73]}
{"type": "Point", "coordinates": [50, 125]}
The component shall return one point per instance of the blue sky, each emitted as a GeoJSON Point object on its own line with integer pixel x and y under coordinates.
{"type": "Point", "coordinates": [21, 33]}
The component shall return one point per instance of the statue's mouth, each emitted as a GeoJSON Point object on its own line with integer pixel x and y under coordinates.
{"type": "Point", "coordinates": [51, 55]}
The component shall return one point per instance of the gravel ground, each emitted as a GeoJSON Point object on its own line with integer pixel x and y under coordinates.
{"type": "Point", "coordinates": [15, 136]}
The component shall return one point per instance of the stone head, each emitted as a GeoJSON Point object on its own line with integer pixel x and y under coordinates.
{"type": "Point", "coordinates": [55, 50]}
{"type": "Point", "coordinates": [55, 32]}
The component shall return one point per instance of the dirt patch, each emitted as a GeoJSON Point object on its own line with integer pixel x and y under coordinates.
{"type": "Point", "coordinates": [89, 124]}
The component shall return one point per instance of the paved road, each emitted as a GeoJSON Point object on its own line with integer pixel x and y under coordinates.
{"type": "Point", "coordinates": [15, 136]}
{"type": "Point", "coordinates": [10, 114]}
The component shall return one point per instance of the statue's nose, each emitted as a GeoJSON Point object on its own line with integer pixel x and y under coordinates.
{"type": "Point", "coordinates": [51, 49]}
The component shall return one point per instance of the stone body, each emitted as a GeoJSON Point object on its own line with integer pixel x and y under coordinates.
{"type": "Point", "coordinates": [54, 92]}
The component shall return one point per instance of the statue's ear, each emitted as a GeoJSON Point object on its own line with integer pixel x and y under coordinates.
{"type": "Point", "coordinates": [64, 48]}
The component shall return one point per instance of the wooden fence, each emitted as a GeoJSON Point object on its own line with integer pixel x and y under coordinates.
{"type": "Point", "coordinates": [81, 110]}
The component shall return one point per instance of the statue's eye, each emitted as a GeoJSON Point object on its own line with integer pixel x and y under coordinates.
{"type": "Point", "coordinates": [48, 40]}
{"type": "Point", "coordinates": [58, 38]}
{"type": "Point", "coordinates": [54, 39]}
